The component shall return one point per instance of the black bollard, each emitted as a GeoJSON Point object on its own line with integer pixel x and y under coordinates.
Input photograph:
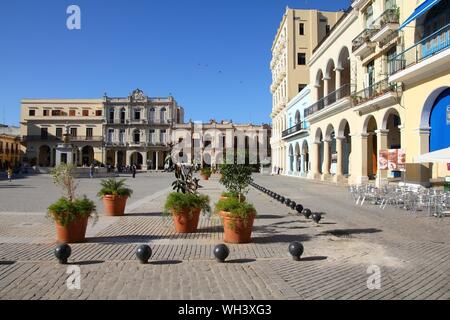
{"type": "Point", "coordinates": [316, 217]}
{"type": "Point", "coordinates": [296, 250]}
{"type": "Point", "coordinates": [307, 213]}
{"type": "Point", "coordinates": [221, 252]}
{"type": "Point", "coordinates": [299, 208]}
{"type": "Point", "coordinates": [62, 253]}
{"type": "Point", "coordinates": [144, 253]}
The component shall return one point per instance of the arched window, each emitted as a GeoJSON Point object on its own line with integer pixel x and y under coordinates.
{"type": "Point", "coordinates": [110, 135]}
{"type": "Point", "coordinates": [151, 116]}
{"type": "Point", "coordinates": [136, 136]}
{"type": "Point", "coordinates": [151, 135]}
{"type": "Point", "coordinates": [111, 115]}
{"type": "Point", "coordinates": [163, 115]}
{"type": "Point", "coordinates": [122, 115]}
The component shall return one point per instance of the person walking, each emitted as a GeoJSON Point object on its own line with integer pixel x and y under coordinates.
{"type": "Point", "coordinates": [133, 169]}
{"type": "Point", "coordinates": [10, 173]}
{"type": "Point", "coordinates": [91, 171]}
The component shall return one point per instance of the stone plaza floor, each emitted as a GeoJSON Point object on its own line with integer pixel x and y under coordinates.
{"type": "Point", "coordinates": [412, 252]}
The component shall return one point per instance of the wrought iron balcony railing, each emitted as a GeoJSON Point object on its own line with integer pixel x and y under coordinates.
{"type": "Point", "coordinates": [340, 93]}
{"type": "Point", "coordinates": [424, 49]}
{"type": "Point", "coordinates": [297, 128]}
{"type": "Point", "coordinates": [388, 16]}
{"type": "Point", "coordinates": [376, 90]}
{"type": "Point", "coordinates": [364, 37]}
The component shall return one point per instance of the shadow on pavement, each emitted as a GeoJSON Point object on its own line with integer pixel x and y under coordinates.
{"type": "Point", "coordinates": [318, 258]}
{"type": "Point", "coordinates": [121, 239]}
{"type": "Point", "coordinates": [281, 238]}
{"type": "Point", "coordinates": [7, 263]}
{"type": "Point", "coordinates": [236, 261]}
{"type": "Point", "coordinates": [165, 262]}
{"type": "Point", "coordinates": [269, 216]}
{"type": "Point", "coordinates": [86, 263]}
{"type": "Point", "coordinates": [147, 214]}
{"type": "Point", "coordinates": [349, 232]}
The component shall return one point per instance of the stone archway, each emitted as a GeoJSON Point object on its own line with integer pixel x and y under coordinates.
{"type": "Point", "coordinates": [87, 155]}
{"type": "Point", "coordinates": [44, 159]}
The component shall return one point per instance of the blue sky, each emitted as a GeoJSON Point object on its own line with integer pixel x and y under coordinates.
{"type": "Point", "coordinates": [212, 56]}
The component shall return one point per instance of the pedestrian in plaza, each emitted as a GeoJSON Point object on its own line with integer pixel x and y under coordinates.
{"type": "Point", "coordinates": [10, 173]}
{"type": "Point", "coordinates": [133, 169]}
{"type": "Point", "coordinates": [91, 171]}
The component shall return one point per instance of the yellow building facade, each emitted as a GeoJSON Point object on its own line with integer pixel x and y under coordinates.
{"type": "Point", "coordinates": [10, 148]}
{"type": "Point", "coordinates": [380, 91]}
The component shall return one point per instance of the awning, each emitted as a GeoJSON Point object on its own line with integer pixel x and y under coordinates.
{"type": "Point", "coordinates": [420, 10]}
{"type": "Point", "coordinates": [435, 157]}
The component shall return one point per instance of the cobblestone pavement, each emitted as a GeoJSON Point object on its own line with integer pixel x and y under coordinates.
{"type": "Point", "coordinates": [411, 252]}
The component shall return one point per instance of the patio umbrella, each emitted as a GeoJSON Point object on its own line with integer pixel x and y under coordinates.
{"type": "Point", "coordinates": [435, 157]}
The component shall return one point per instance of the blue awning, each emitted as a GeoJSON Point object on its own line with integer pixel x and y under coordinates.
{"type": "Point", "coordinates": [420, 10]}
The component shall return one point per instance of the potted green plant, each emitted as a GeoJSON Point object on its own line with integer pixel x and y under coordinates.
{"type": "Point", "coordinates": [236, 178]}
{"type": "Point", "coordinates": [237, 218]}
{"type": "Point", "coordinates": [69, 213]}
{"type": "Point", "coordinates": [114, 194]}
{"type": "Point", "coordinates": [186, 204]}
{"type": "Point", "coordinates": [205, 173]}
{"type": "Point", "coordinates": [237, 215]}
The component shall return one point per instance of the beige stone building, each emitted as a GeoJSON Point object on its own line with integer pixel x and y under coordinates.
{"type": "Point", "coordinates": [44, 122]}
{"type": "Point", "coordinates": [138, 129]}
{"type": "Point", "coordinates": [298, 34]}
{"type": "Point", "coordinates": [215, 143]}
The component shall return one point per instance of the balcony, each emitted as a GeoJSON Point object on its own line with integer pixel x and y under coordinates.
{"type": "Point", "coordinates": [424, 59]}
{"type": "Point", "coordinates": [329, 100]}
{"type": "Point", "coordinates": [298, 128]}
{"type": "Point", "coordinates": [380, 95]}
{"type": "Point", "coordinates": [386, 24]}
{"type": "Point", "coordinates": [60, 139]}
{"type": "Point", "coordinates": [86, 139]}
{"type": "Point", "coordinates": [362, 45]}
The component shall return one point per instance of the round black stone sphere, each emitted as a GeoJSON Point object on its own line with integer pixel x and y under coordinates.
{"type": "Point", "coordinates": [221, 252]}
{"type": "Point", "coordinates": [144, 253]}
{"type": "Point", "coordinates": [288, 202]}
{"type": "Point", "coordinates": [307, 213]}
{"type": "Point", "coordinates": [293, 205]}
{"type": "Point", "coordinates": [282, 199]}
{"type": "Point", "coordinates": [296, 250]}
{"type": "Point", "coordinates": [299, 208]}
{"type": "Point", "coordinates": [316, 217]}
{"type": "Point", "coordinates": [62, 253]}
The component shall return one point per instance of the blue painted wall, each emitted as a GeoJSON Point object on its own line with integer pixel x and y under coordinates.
{"type": "Point", "coordinates": [440, 122]}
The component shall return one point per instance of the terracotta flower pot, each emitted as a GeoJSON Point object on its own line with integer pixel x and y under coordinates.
{"type": "Point", "coordinates": [114, 205]}
{"type": "Point", "coordinates": [186, 222]}
{"type": "Point", "coordinates": [205, 177]}
{"type": "Point", "coordinates": [74, 232]}
{"type": "Point", "coordinates": [237, 230]}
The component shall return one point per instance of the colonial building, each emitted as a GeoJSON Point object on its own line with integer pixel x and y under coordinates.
{"type": "Point", "coordinates": [43, 124]}
{"type": "Point", "coordinates": [297, 136]}
{"type": "Point", "coordinates": [115, 131]}
{"type": "Point", "coordinates": [214, 143]}
{"type": "Point", "coordinates": [138, 129]}
{"type": "Point", "coordinates": [10, 149]}
{"type": "Point", "coordinates": [299, 33]}
{"type": "Point", "coordinates": [381, 87]}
